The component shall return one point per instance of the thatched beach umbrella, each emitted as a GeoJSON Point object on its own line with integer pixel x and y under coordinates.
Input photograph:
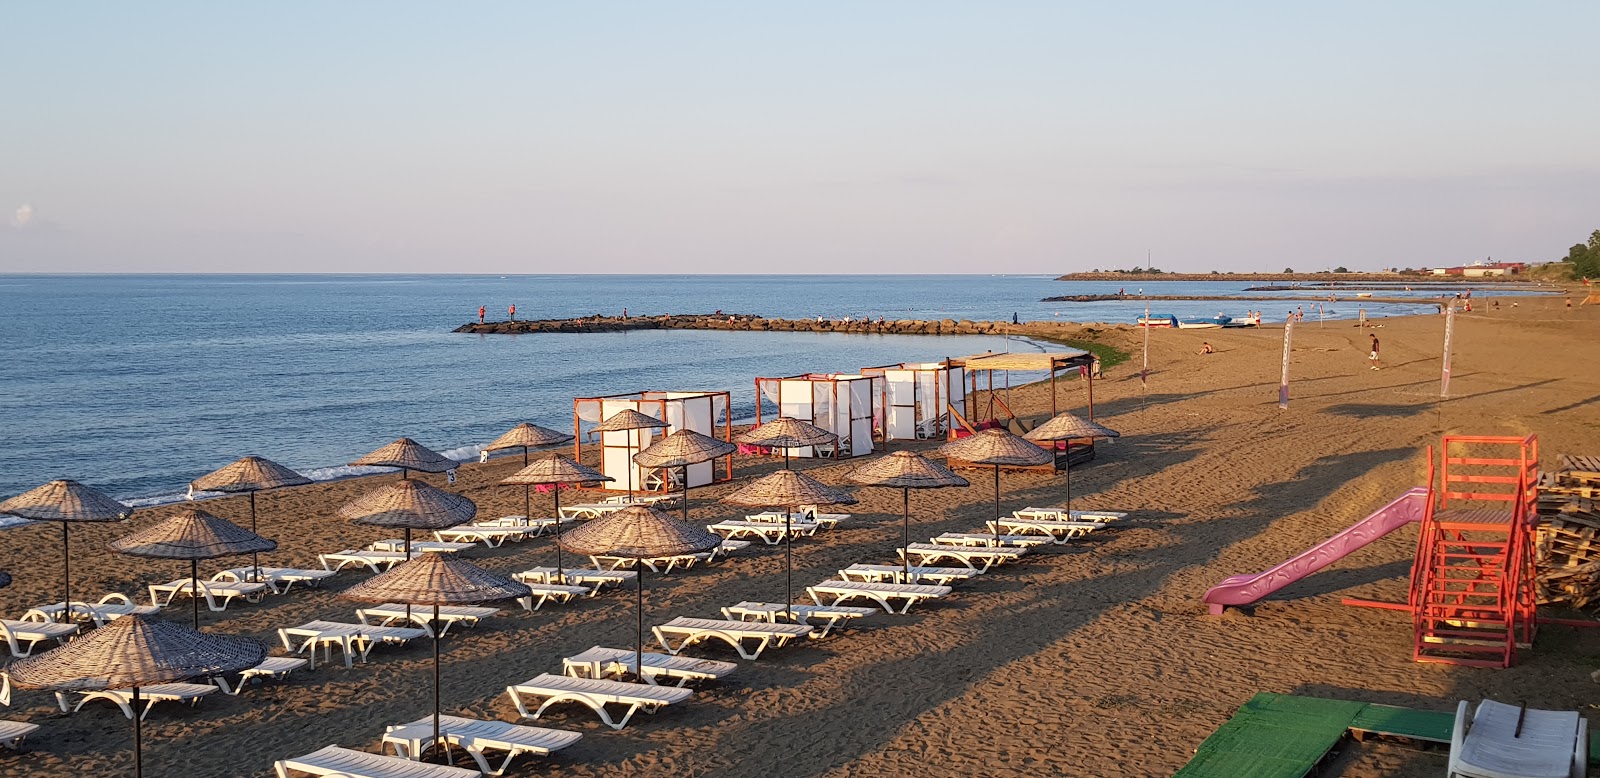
{"type": "Point", "coordinates": [66, 502]}
{"type": "Point", "coordinates": [250, 474]}
{"type": "Point", "coordinates": [435, 579]}
{"type": "Point", "coordinates": [639, 532]}
{"type": "Point", "coordinates": [526, 436]}
{"type": "Point", "coordinates": [999, 448]}
{"type": "Point", "coordinates": [194, 535]}
{"type": "Point", "coordinates": [133, 652]}
{"type": "Point", "coordinates": [786, 433]}
{"type": "Point", "coordinates": [1065, 426]}
{"type": "Point", "coordinates": [408, 455]}
{"type": "Point", "coordinates": [409, 505]}
{"type": "Point", "coordinates": [556, 471]}
{"type": "Point", "coordinates": [682, 449]}
{"type": "Point", "coordinates": [630, 421]}
{"type": "Point", "coordinates": [906, 470]}
{"type": "Point", "coordinates": [787, 489]}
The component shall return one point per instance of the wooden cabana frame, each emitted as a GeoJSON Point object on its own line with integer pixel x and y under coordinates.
{"type": "Point", "coordinates": [855, 392]}
{"type": "Point", "coordinates": [708, 413]}
{"type": "Point", "coordinates": [981, 405]}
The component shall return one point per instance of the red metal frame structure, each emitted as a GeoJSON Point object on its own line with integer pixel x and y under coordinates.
{"type": "Point", "coordinates": [1472, 595]}
{"type": "Point", "coordinates": [1051, 362]}
{"type": "Point", "coordinates": [652, 403]}
{"type": "Point", "coordinates": [833, 381]}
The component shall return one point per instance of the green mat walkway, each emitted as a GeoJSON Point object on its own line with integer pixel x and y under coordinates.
{"type": "Point", "coordinates": [1284, 736]}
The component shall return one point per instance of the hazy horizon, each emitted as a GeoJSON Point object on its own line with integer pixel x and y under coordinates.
{"type": "Point", "coordinates": [718, 138]}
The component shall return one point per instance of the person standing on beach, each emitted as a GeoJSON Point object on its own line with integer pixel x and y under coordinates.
{"type": "Point", "coordinates": [513, 311]}
{"type": "Point", "coordinates": [1373, 356]}
{"type": "Point", "coordinates": [481, 312]}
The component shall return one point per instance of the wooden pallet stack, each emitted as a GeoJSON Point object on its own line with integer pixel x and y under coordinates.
{"type": "Point", "coordinates": [1569, 533]}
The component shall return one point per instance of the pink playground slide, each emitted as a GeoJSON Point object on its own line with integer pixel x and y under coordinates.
{"type": "Point", "coordinates": [1250, 587]}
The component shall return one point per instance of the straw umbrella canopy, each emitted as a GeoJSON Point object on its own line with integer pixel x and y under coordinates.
{"type": "Point", "coordinates": [435, 579]}
{"type": "Point", "coordinates": [250, 474]}
{"type": "Point", "coordinates": [1065, 426]}
{"type": "Point", "coordinates": [786, 433]}
{"type": "Point", "coordinates": [66, 502]}
{"type": "Point", "coordinates": [556, 470]}
{"type": "Point", "coordinates": [409, 505]}
{"type": "Point", "coordinates": [999, 448]}
{"type": "Point", "coordinates": [682, 449]}
{"type": "Point", "coordinates": [787, 489]}
{"type": "Point", "coordinates": [628, 420]}
{"type": "Point", "coordinates": [639, 532]}
{"type": "Point", "coordinates": [906, 470]}
{"type": "Point", "coordinates": [526, 436]}
{"type": "Point", "coordinates": [134, 652]}
{"type": "Point", "coordinates": [408, 455]}
{"type": "Point", "coordinates": [194, 535]}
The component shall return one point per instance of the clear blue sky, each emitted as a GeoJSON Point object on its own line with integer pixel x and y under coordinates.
{"type": "Point", "coordinates": [800, 137]}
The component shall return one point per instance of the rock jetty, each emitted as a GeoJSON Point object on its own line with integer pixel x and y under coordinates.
{"type": "Point", "coordinates": [751, 323]}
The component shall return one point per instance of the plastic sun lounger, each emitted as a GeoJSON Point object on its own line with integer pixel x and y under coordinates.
{"type": "Point", "coordinates": [110, 608]}
{"type": "Point", "coordinates": [13, 732]}
{"type": "Point", "coordinates": [821, 520]}
{"type": "Point", "coordinates": [419, 546]}
{"type": "Point", "coordinates": [885, 594]}
{"type": "Point", "coordinates": [274, 668]}
{"type": "Point", "coordinates": [123, 698]}
{"type": "Point", "coordinates": [595, 580]}
{"type": "Point", "coordinates": [543, 593]}
{"type": "Point", "coordinates": [822, 619]}
{"type": "Point", "coordinates": [32, 633]}
{"type": "Point", "coordinates": [1508, 741]}
{"type": "Point", "coordinates": [690, 631]}
{"type": "Point", "coordinates": [420, 615]}
{"type": "Point", "coordinates": [1062, 514]}
{"type": "Point", "coordinates": [596, 694]}
{"type": "Point", "coordinates": [352, 639]}
{"type": "Point", "coordinates": [599, 662]}
{"type": "Point", "coordinates": [942, 576]}
{"type": "Point", "coordinates": [212, 591]}
{"type": "Point", "coordinates": [475, 736]}
{"type": "Point", "coordinates": [827, 520]}
{"type": "Point", "coordinates": [980, 559]}
{"type": "Point", "coordinates": [987, 539]}
{"type": "Point", "coordinates": [660, 564]}
{"type": "Point", "coordinates": [337, 761]}
{"type": "Point", "coordinates": [1062, 531]}
{"type": "Point", "coordinates": [376, 561]}
{"type": "Point", "coordinates": [728, 547]}
{"type": "Point", "coordinates": [771, 533]}
{"type": "Point", "coordinates": [530, 527]}
{"type": "Point", "coordinates": [279, 579]}
{"type": "Point", "coordinates": [493, 537]}
{"type": "Point", "coordinates": [593, 510]}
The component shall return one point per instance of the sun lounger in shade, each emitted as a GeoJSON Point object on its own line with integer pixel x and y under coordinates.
{"type": "Point", "coordinates": [822, 619]}
{"type": "Point", "coordinates": [823, 521]}
{"type": "Point", "coordinates": [350, 763]}
{"type": "Point", "coordinates": [12, 732]}
{"type": "Point", "coordinates": [376, 561]}
{"type": "Point", "coordinates": [354, 640]}
{"type": "Point", "coordinates": [599, 662]}
{"type": "Point", "coordinates": [162, 595]}
{"type": "Point", "coordinates": [476, 736]}
{"type": "Point", "coordinates": [419, 546]}
{"type": "Point", "coordinates": [771, 533]}
{"type": "Point", "coordinates": [279, 579]}
{"type": "Point", "coordinates": [493, 537]}
{"type": "Point", "coordinates": [1509, 741]}
{"type": "Point", "coordinates": [1062, 514]}
{"type": "Point", "coordinates": [659, 564]}
{"type": "Point", "coordinates": [739, 634]}
{"type": "Point", "coordinates": [110, 608]}
{"type": "Point", "coordinates": [150, 695]}
{"type": "Point", "coordinates": [976, 558]}
{"type": "Point", "coordinates": [275, 668]}
{"type": "Point", "coordinates": [24, 636]}
{"type": "Point", "coordinates": [942, 576]}
{"type": "Point", "coordinates": [390, 612]}
{"type": "Point", "coordinates": [594, 579]}
{"type": "Point", "coordinates": [979, 539]}
{"type": "Point", "coordinates": [541, 593]}
{"type": "Point", "coordinates": [885, 594]}
{"type": "Point", "coordinates": [596, 694]}
{"type": "Point", "coordinates": [1062, 531]}
{"type": "Point", "coordinates": [728, 547]}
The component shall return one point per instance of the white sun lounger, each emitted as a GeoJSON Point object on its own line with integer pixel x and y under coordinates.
{"type": "Point", "coordinates": [599, 662]}
{"type": "Point", "coordinates": [1508, 741]}
{"type": "Point", "coordinates": [660, 564]}
{"type": "Point", "coordinates": [350, 763]}
{"type": "Point", "coordinates": [942, 576]}
{"type": "Point", "coordinates": [593, 510]}
{"type": "Point", "coordinates": [150, 695]}
{"type": "Point", "coordinates": [162, 595]}
{"type": "Point", "coordinates": [420, 615]}
{"type": "Point", "coordinates": [822, 619]}
{"type": "Point", "coordinates": [24, 636]}
{"type": "Point", "coordinates": [980, 559]}
{"type": "Point", "coordinates": [275, 668]}
{"type": "Point", "coordinates": [885, 594]}
{"type": "Point", "coordinates": [475, 736]}
{"type": "Point", "coordinates": [279, 579]}
{"type": "Point", "coordinates": [13, 732]}
{"type": "Point", "coordinates": [596, 694]}
{"type": "Point", "coordinates": [541, 593]}
{"type": "Point", "coordinates": [355, 640]}
{"type": "Point", "coordinates": [493, 537]}
{"type": "Point", "coordinates": [827, 520]}
{"type": "Point", "coordinates": [110, 608]}
{"type": "Point", "coordinates": [771, 533]}
{"type": "Point", "coordinates": [987, 539]}
{"type": "Point", "coordinates": [1062, 514]}
{"type": "Point", "coordinates": [376, 561]}
{"type": "Point", "coordinates": [823, 521]}
{"type": "Point", "coordinates": [1062, 531]}
{"type": "Point", "coordinates": [728, 547]}
{"type": "Point", "coordinates": [690, 631]}
{"type": "Point", "coordinates": [530, 527]}
{"type": "Point", "coordinates": [594, 579]}
{"type": "Point", "coordinates": [419, 546]}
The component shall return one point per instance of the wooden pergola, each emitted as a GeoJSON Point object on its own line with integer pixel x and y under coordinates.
{"type": "Point", "coordinates": [988, 407]}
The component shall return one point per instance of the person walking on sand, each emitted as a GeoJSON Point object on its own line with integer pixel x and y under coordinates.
{"type": "Point", "coordinates": [481, 312]}
{"type": "Point", "coordinates": [1373, 356]}
{"type": "Point", "coordinates": [513, 311]}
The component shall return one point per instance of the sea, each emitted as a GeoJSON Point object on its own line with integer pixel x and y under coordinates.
{"type": "Point", "coordinates": [137, 384]}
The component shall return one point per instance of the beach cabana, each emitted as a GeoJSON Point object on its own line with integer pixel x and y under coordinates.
{"type": "Point", "coordinates": [987, 405]}
{"type": "Point", "coordinates": [918, 400]}
{"type": "Point", "coordinates": [702, 412]}
{"type": "Point", "coordinates": [840, 403]}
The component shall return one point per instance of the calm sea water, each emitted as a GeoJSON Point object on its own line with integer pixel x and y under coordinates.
{"type": "Point", "coordinates": [139, 383]}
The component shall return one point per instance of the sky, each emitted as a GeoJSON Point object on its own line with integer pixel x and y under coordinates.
{"type": "Point", "coordinates": [819, 137]}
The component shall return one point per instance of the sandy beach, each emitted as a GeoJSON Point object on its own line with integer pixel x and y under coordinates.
{"type": "Point", "coordinates": [1095, 658]}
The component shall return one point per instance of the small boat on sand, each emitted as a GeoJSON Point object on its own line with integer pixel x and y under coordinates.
{"type": "Point", "coordinates": [1158, 320]}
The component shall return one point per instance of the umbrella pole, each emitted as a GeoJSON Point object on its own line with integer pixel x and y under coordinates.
{"type": "Point", "coordinates": [408, 559]}
{"type": "Point", "coordinates": [138, 737]}
{"type": "Point", "coordinates": [560, 574]}
{"type": "Point", "coordinates": [527, 501]}
{"type": "Point", "coordinates": [638, 651]}
{"type": "Point", "coordinates": [686, 492]}
{"type": "Point", "coordinates": [1069, 486]}
{"type": "Point", "coordinates": [997, 505]}
{"type": "Point", "coordinates": [255, 556]}
{"type": "Point", "coordinates": [524, 456]}
{"type": "Point", "coordinates": [194, 590]}
{"type": "Point", "coordinates": [434, 626]}
{"type": "Point", "coordinates": [905, 537]}
{"type": "Point", "coordinates": [788, 563]}
{"type": "Point", "coordinates": [66, 574]}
